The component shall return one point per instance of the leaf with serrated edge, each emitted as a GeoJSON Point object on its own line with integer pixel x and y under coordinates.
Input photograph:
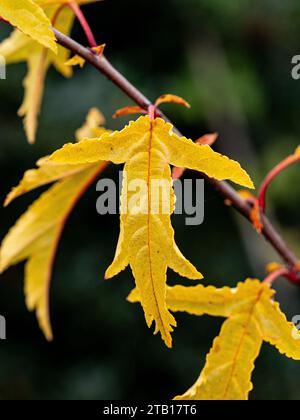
{"type": "Point", "coordinates": [29, 18]}
{"type": "Point", "coordinates": [19, 47]}
{"type": "Point", "coordinates": [253, 317]}
{"type": "Point", "coordinates": [36, 235]}
{"type": "Point", "coordinates": [147, 241]}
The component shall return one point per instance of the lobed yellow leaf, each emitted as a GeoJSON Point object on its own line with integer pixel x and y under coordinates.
{"type": "Point", "coordinates": [196, 300]}
{"type": "Point", "coordinates": [146, 240]}
{"type": "Point", "coordinates": [36, 235]}
{"type": "Point", "coordinates": [179, 152]}
{"type": "Point", "coordinates": [35, 238]}
{"type": "Point", "coordinates": [253, 317]}
{"type": "Point", "coordinates": [29, 18]}
{"type": "Point", "coordinates": [20, 47]}
{"type": "Point", "coordinates": [230, 363]}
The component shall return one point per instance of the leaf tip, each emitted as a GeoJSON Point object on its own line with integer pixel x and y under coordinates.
{"type": "Point", "coordinates": [49, 335]}
{"type": "Point", "coordinates": [168, 98]}
{"type": "Point", "coordinates": [133, 296]}
{"type": "Point", "coordinates": [129, 110]}
{"type": "Point", "coordinates": [245, 180]}
{"type": "Point", "coordinates": [76, 60]}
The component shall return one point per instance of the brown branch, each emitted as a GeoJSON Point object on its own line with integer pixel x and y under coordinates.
{"type": "Point", "coordinates": [269, 231]}
{"type": "Point", "coordinates": [106, 68]}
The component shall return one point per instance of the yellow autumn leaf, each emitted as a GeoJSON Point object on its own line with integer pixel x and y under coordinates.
{"type": "Point", "coordinates": [36, 234]}
{"type": "Point", "coordinates": [198, 300]}
{"type": "Point", "coordinates": [19, 47]}
{"type": "Point", "coordinates": [29, 18]}
{"type": "Point", "coordinates": [253, 317]}
{"type": "Point", "coordinates": [146, 240]}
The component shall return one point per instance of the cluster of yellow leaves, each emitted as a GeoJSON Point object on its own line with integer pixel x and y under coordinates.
{"type": "Point", "coordinates": [22, 46]}
{"type": "Point", "coordinates": [36, 235]}
{"type": "Point", "coordinates": [252, 318]}
{"type": "Point", "coordinates": [29, 18]}
{"type": "Point", "coordinates": [146, 240]}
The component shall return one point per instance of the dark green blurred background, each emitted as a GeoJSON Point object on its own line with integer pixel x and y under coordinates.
{"type": "Point", "coordinates": [232, 61]}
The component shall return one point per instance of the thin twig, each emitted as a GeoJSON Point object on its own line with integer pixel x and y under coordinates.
{"type": "Point", "coordinates": [286, 163]}
{"type": "Point", "coordinates": [281, 272]}
{"type": "Point", "coordinates": [84, 24]}
{"type": "Point", "coordinates": [107, 69]}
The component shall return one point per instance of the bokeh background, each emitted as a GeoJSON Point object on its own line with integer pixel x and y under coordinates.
{"type": "Point", "coordinates": [232, 61]}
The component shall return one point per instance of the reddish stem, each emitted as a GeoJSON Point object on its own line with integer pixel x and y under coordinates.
{"type": "Point", "coordinates": [84, 23]}
{"type": "Point", "coordinates": [281, 272]}
{"type": "Point", "coordinates": [291, 160]}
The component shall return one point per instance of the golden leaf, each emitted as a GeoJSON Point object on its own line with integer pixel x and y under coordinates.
{"type": "Point", "coordinates": [19, 47]}
{"type": "Point", "coordinates": [36, 235]}
{"type": "Point", "coordinates": [29, 18]}
{"type": "Point", "coordinates": [147, 241]}
{"type": "Point", "coordinates": [253, 317]}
